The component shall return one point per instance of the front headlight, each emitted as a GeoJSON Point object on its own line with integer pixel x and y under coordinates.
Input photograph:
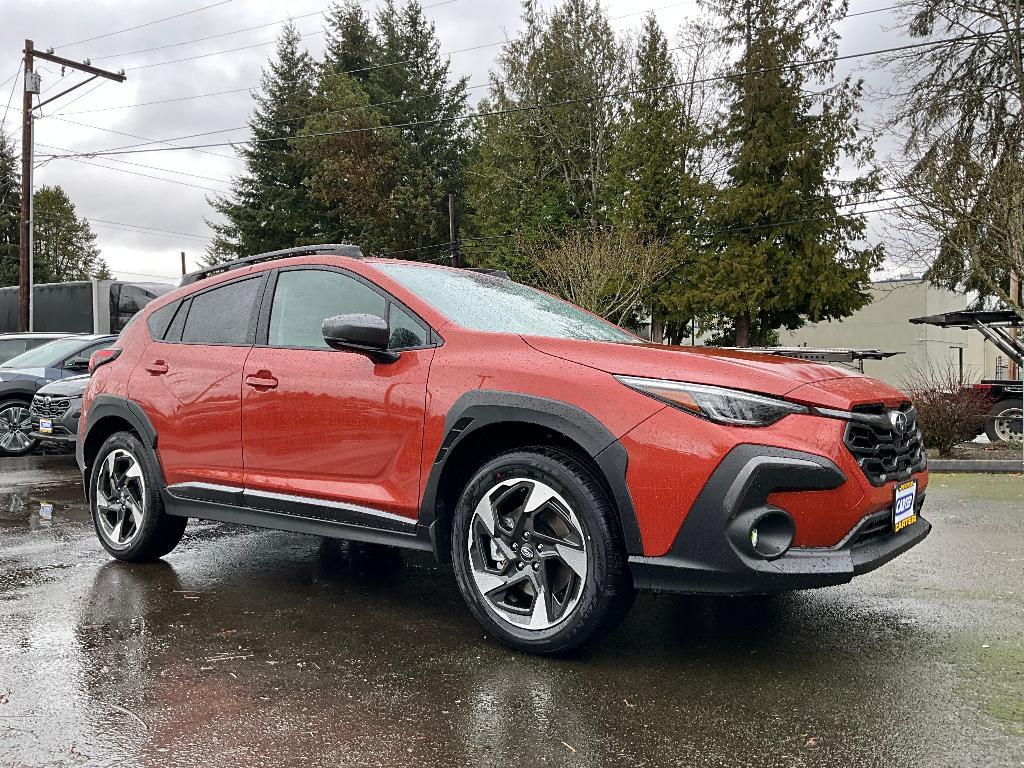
{"type": "Point", "coordinates": [719, 404]}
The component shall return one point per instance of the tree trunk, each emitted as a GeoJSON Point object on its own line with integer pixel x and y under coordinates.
{"type": "Point", "coordinates": [742, 325]}
{"type": "Point", "coordinates": [657, 329]}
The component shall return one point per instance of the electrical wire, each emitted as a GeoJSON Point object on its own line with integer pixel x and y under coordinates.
{"type": "Point", "coordinates": [129, 149]}
{"type": "Point", "coordinates": [146, 24]}
{"type": "Point", "coordinates": [11, 97]}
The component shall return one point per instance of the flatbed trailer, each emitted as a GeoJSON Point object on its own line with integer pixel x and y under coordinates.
{"type": "Point", "coordinates": [1005, 420]}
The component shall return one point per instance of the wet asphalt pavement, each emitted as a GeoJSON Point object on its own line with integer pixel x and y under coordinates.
{"type": "Point", "coordinates": [250, 647]}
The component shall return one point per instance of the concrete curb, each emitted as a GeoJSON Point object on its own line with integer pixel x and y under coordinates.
{"type": "Point", "coordinates": [992, 466]}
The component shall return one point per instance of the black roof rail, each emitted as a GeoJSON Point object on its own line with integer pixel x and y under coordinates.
{"type": "Point", "coordinates": [336, 249]}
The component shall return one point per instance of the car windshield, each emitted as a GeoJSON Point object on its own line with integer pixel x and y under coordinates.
{"type": "Point", "coordinates": [484, 302]}
{"type": "Point", "coordinates": [46, 355]}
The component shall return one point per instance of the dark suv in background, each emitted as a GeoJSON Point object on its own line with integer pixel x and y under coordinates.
{"type": "Point", "coordinates": [22, 376]}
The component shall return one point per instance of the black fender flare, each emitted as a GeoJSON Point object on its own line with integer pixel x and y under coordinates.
{"type": "Point", "coordinates": [105, 406]}
{"type": "Point", "coordinates": [481, 408]}
{"type": "Point", "coordinates": [19, 389]}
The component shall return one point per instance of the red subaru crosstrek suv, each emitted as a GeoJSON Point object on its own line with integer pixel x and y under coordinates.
{"type": "Point", "coordinates": [558, 461]}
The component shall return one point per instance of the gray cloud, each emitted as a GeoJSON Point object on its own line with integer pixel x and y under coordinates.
{"type": "Point", "coordinates": [120, 196]}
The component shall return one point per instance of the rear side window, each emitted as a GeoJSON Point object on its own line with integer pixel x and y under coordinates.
{"type": "Point", "coordinates": [159, 319]}
{"type": "Point", "coordinates": [304, 298]}
{"type": "Point", "coordinates": [222, 315]}
{"type": "Point", "coordinates": [11, 348]}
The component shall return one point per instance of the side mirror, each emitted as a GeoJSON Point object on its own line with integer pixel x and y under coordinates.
{"type": "Point", "coordinates": [77, 364]}
{"type": "Point", "coordinates": [367, 334]}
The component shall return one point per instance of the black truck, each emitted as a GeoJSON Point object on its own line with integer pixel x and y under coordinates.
{"type": "Point", "coordinates": [87, 306]}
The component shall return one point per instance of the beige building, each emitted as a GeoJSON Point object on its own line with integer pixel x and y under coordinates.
{"type": "Point", "coordinates": [884, 324]}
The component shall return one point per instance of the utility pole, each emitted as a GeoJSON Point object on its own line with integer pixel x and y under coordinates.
{"type": "Point", "coordinates": [32, 83]}
{"type": "Point", "coordinates": [183, 270]}
{"type": "Point", "coordinates": [453, 229]}
{"type": "Point", "coordinates": [25, 218]}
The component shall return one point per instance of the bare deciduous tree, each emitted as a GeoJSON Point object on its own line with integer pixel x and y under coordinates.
{"type": "Point", "coordinates": [960, 110]}
{"type": "Point", "coordinates": [612, 273]}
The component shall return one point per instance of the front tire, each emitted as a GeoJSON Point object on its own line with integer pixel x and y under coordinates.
{"type": "Point", "coordinates": [124, 497]}
{"type": "Point", "coordinates": [15, 425]}
{"type": "Point", "coordinates": [538, 553]}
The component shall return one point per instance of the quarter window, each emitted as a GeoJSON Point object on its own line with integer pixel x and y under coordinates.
{"type": "Point", "coordinates": [222, 315]}
{"type": "Point", "coordinates": [304, 298]}
{"type": "Point", "coordinates": [406, 333]}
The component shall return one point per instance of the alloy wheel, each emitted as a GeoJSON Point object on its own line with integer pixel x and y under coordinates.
{"type": "Point", "coordinates": [527, 554]}
{"type": "Point", "coordinates": [120, 498]}
{"type": "Point", "coordinates": [1008, 425]}
{"type": "Point", "coordinates": [15, 424]}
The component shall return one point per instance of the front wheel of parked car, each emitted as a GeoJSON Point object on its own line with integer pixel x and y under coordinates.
{"type": "Point", "coordinates": [127, 510]}
{"type": "Point", "coordinates": [538, 552]}
{"type": "Point", "coordinates": [15, 426]}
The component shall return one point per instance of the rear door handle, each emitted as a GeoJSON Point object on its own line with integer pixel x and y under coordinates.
{"type": "Point", "coordinates": [157, 367]}
{"type": "Point", "coordinates": [262, 380]}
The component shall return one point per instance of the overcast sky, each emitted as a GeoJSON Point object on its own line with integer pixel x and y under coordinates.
{"type": "Point", "coordinates": [136, 202]}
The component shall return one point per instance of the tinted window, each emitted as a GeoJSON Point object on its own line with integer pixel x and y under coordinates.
{"type": "Point", "coordinates": [174, 330]}
{"type": "Point", "coordinates": [405, 332]}
{"type": "Point", "coordinates": [487, 303]}
{"type": "Point", "coordinates": [303, 299]}
{"type": "Point", "coordinates": [10, 348]}
{"type": "Point", "coordinates": [159, 319]}
{"type": "Point", "coordinates": [46, 355]}
{"type": "Point", "coordinates": [222, 315]}
{"type": "Point", "coordinates": [87, 352]}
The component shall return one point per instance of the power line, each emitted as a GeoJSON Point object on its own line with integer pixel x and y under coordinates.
{"type": "Point", "coordinates": [551, 105]}
{"type": "Point", "coordinates": [121, 224]}
{"type": "Point", "coordinates": [406, 61]}
{"type": "Point", "coordinates": [146, 24]}
{"type": "Point", "coordinates": [143, 165]}
{"type": "Point", "coordinates": [13, 89]}
{"type": "Point", "coordinates": [209, 37]}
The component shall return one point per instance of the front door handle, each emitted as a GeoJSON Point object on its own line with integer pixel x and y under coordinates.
{"type": "Point", "coordinates": [157, 367]}
{"type": "Point", "coordinates": [262, 380]}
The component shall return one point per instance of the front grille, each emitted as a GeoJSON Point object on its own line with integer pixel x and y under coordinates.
{"type": "Point", "coordinates": [886, 443]}
{"type": "Point", "coordinates": [48, 407]}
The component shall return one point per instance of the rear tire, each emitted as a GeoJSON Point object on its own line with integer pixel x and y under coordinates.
{"type": "Point", "coordinates": [538, 552]}
{"type": "Point", "coordinates": [15, 424]}
{"type": "Point", "coordinates": [124, 497]}
{"type": "Point", "coordinates": [1003, 424]}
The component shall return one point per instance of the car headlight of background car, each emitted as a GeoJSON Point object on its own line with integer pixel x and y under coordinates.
{"type": "Point", "coordinates": [718, 404]}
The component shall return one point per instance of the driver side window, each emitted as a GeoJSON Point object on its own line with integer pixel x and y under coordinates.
{"type": "Point", "coordinates": [304, 298]}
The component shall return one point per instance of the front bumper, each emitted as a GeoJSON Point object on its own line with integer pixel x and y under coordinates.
{"type": "Point", "coordinates": [710, 553]}
{"type": "Point", "coordinates": [65, 426]}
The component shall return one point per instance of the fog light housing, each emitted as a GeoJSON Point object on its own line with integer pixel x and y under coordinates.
{"type": "Point", "coordinates": [764, 532]}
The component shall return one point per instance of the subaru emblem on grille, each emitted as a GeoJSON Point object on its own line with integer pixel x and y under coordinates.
{"type": "Point", "coordinates": [899, 421]}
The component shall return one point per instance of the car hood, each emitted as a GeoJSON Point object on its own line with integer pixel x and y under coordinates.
{"type": "Point", "coordinates": [71, 387]}
{"type": "Point", "coordinates": [812, 383]}
{"type": "Point", "coordinates": [18, 374]}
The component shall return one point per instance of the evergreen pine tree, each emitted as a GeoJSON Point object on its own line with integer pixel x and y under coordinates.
{"type": "Point", "coordinates": [269, 206]}
{"type": "Point", "coordinates": [416, 92]}
{"type": "Point", "coordinates": [351, 45]}
{"type": "Point", "coordinates": [547, 170]}
{"type": "Point", "coordinates": [102, 270]}
{"type": "Point", "coordinates": [10, 204]}
{"type": "Point", "coordinates": [784, 249]}
{"type": "Point", "coordinates": [64, 245]}
{"type": "Point", "coordinates": [648, 158]}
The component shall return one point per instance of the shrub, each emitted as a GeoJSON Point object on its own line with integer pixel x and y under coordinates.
{"type": "Point", "coordinates": [949, 411]}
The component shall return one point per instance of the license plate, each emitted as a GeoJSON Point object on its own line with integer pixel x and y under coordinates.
{"type": "Point", "coordinates": [903, 509]}
{"type": "Point", "coordinates": [46, 426]}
